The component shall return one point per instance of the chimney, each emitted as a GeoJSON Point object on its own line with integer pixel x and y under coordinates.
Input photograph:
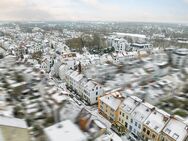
{"type": "Point", "coordinates": [165, 118]}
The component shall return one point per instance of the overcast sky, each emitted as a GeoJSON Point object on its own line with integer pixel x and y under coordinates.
{"type": "Point", "coordinates": [103, 10]}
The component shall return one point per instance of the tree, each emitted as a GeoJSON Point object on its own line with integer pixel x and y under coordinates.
{"type": "Point", "coordinates": [37, 56]}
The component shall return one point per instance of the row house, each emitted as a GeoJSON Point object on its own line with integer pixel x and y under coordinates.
{"type": "Point", "coordinates": [142, 119]}
{"type": "Point", "coordinates": [125, 119]}
{"type": "Point", "coordinates": [87, 89]}
{"type": "Point", "coordinates": [138, 116]}
{"type": "Point", "coordinates": [175, 130]}
{"type": "Point", "coordinates": [154, 125]}
{"type": "Point", "coordinates": [108, 105]}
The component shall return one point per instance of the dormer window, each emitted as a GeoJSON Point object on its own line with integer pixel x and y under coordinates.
{"type": "Point", "coordinates": [147, 122]}
{"type": "Point", "coordinates": [156, 127]}
{"type": "Point", "coordinates": [175, 136]}
{"type": "Point", "coordinates": [168, 131]}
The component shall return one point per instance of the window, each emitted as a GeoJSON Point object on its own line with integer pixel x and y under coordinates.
{"type": "Point", "coordinates": [120, 113]}
{"type": "Point", "coordinates": [127, 117]}
{"type": "Point", "coordinates": [96, 98]}
{"type": "Point", "coordinates": [123, 114]}
{"type": "Point", "coordinates": [156, 127]}
{"type": "Point", "coordinates": [136, 123]}
{"type": "Point", "coordinates": [167, 131]}
{"type": "Point", "coordinates": [153, 136]}
{"type": "Point", "coordinates": [131, 120]}
{"type": "Point", "coordinates": [175, 136]}
{"type": "Point", "coordinates": [144, 129]}
{"type": "Point", "coordinates": [96, 93]}
{"type": "Point", "coordinates": [148, 132]}
{"type": "Point", "coordinates": [139, 126]}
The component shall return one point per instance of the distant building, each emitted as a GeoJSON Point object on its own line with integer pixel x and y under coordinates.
{"type": "Point", "coordinates": [179, 58]}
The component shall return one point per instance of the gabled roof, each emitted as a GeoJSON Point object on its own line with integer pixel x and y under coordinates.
{"type": "Point", "coordinates": [112, 100]}
{"type": "Point", "coordinates": [142, 111]}
{"type": "Point", "coordinates": [130, 103]}
{"type": "Point", "coordinates": [176, 129]}
{"type": "Point", "coordinates": [157, 120]}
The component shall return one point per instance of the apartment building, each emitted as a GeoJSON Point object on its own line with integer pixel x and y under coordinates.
{"type": "Point", "coordinates": [154, 125]}
{"type": "Point", "coordinates": [138, 116]}
{"type": "Point", "coordinates": [175, 130]}
{"type": "Point", "coordinates": [124, 113]}
{"type": "Point", "coordinates": [108, 105]}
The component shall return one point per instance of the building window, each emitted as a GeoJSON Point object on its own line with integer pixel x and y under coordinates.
{"type": "Point", "coordinates": [126, 124]}
{"type": "Point", "coordinates": [139, 126]}
{"type": "Point", "coordinates": [96, 93]}
{"type": "Point", "coordinates": [123, 114]}
{"type": "Point", "coordinates": [175, 136]}
{"type": "Point", "coordinates": [148, 132]}
{"type": "Point", "coordinates": [144, 129]}
{"type": "Point", "coordinates": [153, 136]}
{"type": "Point", "coordinates": [127, 117]}
{"type": "Point", "coordinates": [130, 128]}
{"type": "Point", "coordinates": [168, 131]}
{"type": "Point", "coordinates": [131, 120]}
{"type": "Point", "coordinates": [120, 113]}
{"type": "Point", "coordinates": [136, 123]}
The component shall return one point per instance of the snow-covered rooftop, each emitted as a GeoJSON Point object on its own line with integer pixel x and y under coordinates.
{"type": "Point", "coordinates": [142, 111]}
{"type": "Point", "coordinates": [176, 129]}
{"type": "Point", "coordinates": [112, 100]}
{"type": "Point", "coordinates": [157, 120]}
{"type": "Point", "coordinates": [65, 130]}
{"type": "Point", "coordinates": [130, 103]}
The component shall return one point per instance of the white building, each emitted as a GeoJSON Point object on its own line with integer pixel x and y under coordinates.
{"type": "Point", "coordinates": [87, 89]}
{"type": "Point", "coordinates": [65, 130]}
{"type": "Point", "coordinates": [175, 130]}
{"type": "Point", "coordinates": [139, 115]}
{"type": "Point", "coordinates": [179, 58]}
{"type": "Point", "coordinates": [125, 118]}
{"type": "Point", "coordinates": [154, 124]}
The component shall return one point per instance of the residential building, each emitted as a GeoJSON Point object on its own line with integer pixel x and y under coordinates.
{"type": "Point", "coordinates": [108, 105]}
{"type": "Point", "coordinates": [125, 119]}
{"type": "Point", "coordinates": [179, 58]}
{"type": "Point", "coordinates": [138, 116]}
{"type": "Point", "coordinates": [140, 46]}
{"type": "Point", "coordinates": [65, 130]}
{"type": "Point", "coordinates": [175, 130]}
{"type": "Point", "coordinates": [154, 125]}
